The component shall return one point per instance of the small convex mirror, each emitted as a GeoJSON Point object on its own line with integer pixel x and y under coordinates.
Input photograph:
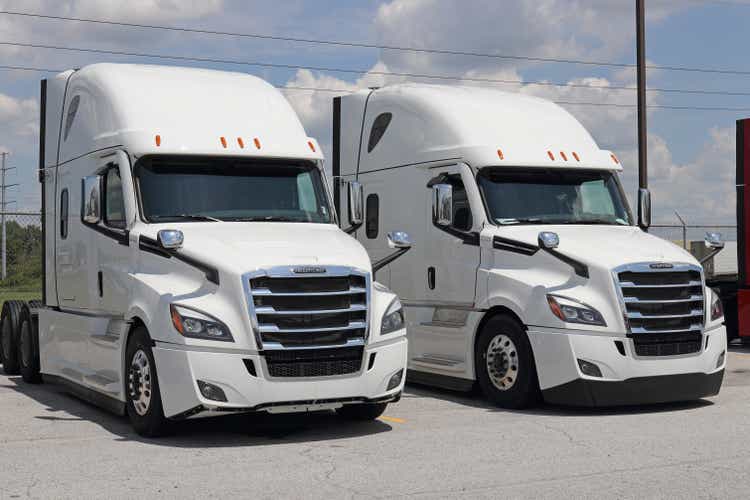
{"type": "Point", "coordinates": [442, 204]}
{"type": "Point", "coordinates": [548, 240]}
{"type": "Point", "coordinates": [356, 203]}
{"type": "Point", "coordinates": [714, 240]}
{"type": "Point", "coordinates": [170, 239]}
{"type": "Point", "coordinates": [91, 196]}
{"type": "Point", "coordinates": [399, 239]}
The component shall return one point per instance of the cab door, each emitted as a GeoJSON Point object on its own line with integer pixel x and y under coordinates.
{"type": "Point", "coordinates": [115, 259]}
{"type": "Point", "coordinates": [450, 260]}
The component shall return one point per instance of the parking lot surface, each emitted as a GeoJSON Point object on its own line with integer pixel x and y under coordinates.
{"type": "Point", "coordinates": [433, 444]}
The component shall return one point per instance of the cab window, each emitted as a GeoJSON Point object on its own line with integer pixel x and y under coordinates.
{"type": "Point", "coordinates": [114, 203]}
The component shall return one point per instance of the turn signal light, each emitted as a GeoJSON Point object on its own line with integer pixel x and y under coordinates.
{"type": "Point", "coordinates": [223, 141]}
{"type": "Point", "coordinates": [257, 142]}
{"type": "Point", "coordinates": [551, 156]}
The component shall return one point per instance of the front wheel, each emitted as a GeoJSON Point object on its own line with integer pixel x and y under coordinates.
{"type": "Point", "coordinates": [362, 412]}
{"type": "Point", "coordinates": [144, 406]}
{"type": "Point", "coordinates": [504, 364]}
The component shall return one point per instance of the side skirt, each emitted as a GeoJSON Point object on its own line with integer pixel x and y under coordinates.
{"type": "Point", "coordinates": [105, 402]}
{"type": "Point", "coordinates": [442, 381]}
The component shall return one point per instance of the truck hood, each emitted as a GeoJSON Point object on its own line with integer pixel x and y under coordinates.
{"type": "Point", "coordinates": [239, 247]}
{"type": "Point", "coordinates": [603, 246]}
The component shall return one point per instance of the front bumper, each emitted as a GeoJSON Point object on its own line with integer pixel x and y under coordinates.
{"type": "Point", "coordinates": [179, 368]}
{"type": "Point", "coordinates": [626, 378]}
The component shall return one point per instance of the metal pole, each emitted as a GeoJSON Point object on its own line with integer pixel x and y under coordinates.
{"type": "Point", "coordinates": [684, 230]}
{"type": "Point", "coordinates": [641, 76]}
{"type": "Point", "coordinates": [2, 204]}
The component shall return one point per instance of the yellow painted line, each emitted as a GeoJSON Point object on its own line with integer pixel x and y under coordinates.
{"type": "Point", "coordinates": [394, 420]}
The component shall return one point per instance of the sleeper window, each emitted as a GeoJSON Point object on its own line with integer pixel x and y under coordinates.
{"type": "Point", "coordinates": [114, 204]}
{"type": "Point", "coordinates": [372, 216]}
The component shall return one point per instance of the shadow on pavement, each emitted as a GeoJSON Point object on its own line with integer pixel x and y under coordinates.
{"type": "Point", "coordinates": [475, 399]}
{"type": "Point", "coordinates": [224, 431]}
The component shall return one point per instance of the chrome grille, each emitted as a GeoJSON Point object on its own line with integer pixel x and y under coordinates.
{"type": "Point", "coordinates": [328, 308]}
{"type": "Point", "coordinates": [663, 307]}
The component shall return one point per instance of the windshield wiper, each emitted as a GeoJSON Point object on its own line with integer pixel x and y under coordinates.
{"type": "Point", "coordinates": [509, 222]}
{"type": "Point", "coordinates": [267, 218]}
{"type": "Point", "coordinates": [188, 216]}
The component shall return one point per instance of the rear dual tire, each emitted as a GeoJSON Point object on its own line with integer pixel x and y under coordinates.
{"type": "Point", "coordinates": [28, 346]}
{"type": "Point", "coordinates": [10, 328]}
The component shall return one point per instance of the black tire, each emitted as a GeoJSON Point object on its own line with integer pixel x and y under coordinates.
{"type": "Point", "coordinates": [150, 421]}
{"type": "Point", "coordinates": [362, 412]}
{"type": "Point", "coordinates": [9, 329]}
{"type": "Point", "coordinates": [512, 364]}
{"type": "Point", "coordinates": [28, 348]}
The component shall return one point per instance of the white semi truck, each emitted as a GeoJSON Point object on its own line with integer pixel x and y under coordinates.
{"type": "Point", "coordinates": [530, 275]}
{"type": "Point", "coordinates": [192, 261]}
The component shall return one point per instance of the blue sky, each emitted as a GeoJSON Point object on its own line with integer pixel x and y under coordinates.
{"type": "Point", "coordinates": [691, 152]}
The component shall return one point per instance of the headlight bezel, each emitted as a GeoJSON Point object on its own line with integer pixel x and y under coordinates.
{"type": "Point", "coordinates": [715, 307]}
{"type": "Point", "coordinates": [584, 313]}
{"type": "Point", "coordinates": [393, 319]}
{"type": "Point", "coordinates": [179, 313]}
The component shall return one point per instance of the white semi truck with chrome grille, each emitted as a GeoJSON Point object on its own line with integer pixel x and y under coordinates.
{"type": "Point", "coordinates": [193, 265]}
{"type": "Point", "coordinates": [531, 276]}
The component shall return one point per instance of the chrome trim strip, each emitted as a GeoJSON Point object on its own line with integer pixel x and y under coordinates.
{"type": "Point", "coordinates": [628, 284]}
{"type": "Point", "coordinates": [639, 331]}
{"type": "Point", "coordinates": [275, 346]}
{"type": "Point", "coordinates": [639, 315]}
{"type": "Point", "coordinates": [353, 325]}
{"type": "Point", "coordinates": [300, 312]}
{"type": "Point", "coordinates": [260, 292]}
{"type": "Point", "coordinates": [634, 300]}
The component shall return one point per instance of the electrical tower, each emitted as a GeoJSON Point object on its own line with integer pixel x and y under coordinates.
{"type": "Point", "coordinates": [4, 203]}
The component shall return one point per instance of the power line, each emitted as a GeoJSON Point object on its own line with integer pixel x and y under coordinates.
{"type": "Point", "coordinates": [366, 45]}
{"type": "Point", "coordinates": [365, 71]}
{"type": "Point", "coordinates": [566, 103]}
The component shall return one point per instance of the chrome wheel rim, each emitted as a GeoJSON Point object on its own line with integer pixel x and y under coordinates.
{"type": "Point", "coordinates": [139, 382]}
{"type": "Point", "coordinates": [502, 362]}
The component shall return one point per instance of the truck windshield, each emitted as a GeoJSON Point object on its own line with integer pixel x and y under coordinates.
{"type": "Point", "coordinates": [221, 189]}
{"type": "Point", "coordinates": [553, 196]}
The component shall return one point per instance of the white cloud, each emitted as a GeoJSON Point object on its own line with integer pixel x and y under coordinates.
{"type": "Point", "coordinates": [18, 117]}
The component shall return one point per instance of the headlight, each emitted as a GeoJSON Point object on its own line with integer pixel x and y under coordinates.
{"type": "Point", "coordinates": [717, 308]}
{"type": "Point", "coordinates": [572, 311]}
{"type": "Point", "coordinates": [198, 325]}
{"type": "Point", "coordinates": [393, 319]}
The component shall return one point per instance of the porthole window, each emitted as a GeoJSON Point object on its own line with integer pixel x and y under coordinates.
{"type": "Point", "coordinates": [378, 129]}
{"type": "Point", "coordinates": [372, 216]}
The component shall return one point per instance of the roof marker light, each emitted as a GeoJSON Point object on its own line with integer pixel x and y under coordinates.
{"type": "Point", "coordinates": [575, 155]}
{"type": "Point", "coordinates": [562, 153]}
{"type": "Point", "coordinates": [551, 156]}
{"type": "Point", "coordinates": [158, 140]}
{"type": "Point", "coordinates": [614, 158]}
{"type": "Point", "coordinates": [500, 154]}
{"type": "Point", "coordinates": [312, 146]}
{"type": "Point", "coordinates": [241, 142]}
{"type": "Point", "coordinates": [257, 142]}
{"type": "Point", "coordinates": [223, 141]}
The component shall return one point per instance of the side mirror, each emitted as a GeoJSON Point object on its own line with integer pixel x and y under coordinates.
{"type": "Point", "coordinates": [548, 240]}
{"type": "Point", "coordinates": [442, 204]}
{"type": "Point", "coordinates": [714, 241]}
{"type": "Point", "coordinates": [170, 239]}
{"type": "Point", "coordinates": [644, 208]}
{"type": "Point", "coordinates": [91, 199]}
{"type": "Point", "coordinates": [356, 203]}
{"type": "Point", "coordinates": [399, 239]}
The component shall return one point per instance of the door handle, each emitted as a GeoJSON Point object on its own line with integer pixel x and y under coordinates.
{"type": "Point", "coordinates": [100, 283]}
{"type": "Point", "coordinates": [431, 278]}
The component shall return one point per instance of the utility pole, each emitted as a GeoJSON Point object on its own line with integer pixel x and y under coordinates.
{"type": "Point", "coordinates": [640, 25]}
{"type": "Point", "coordinates": [3, 204]}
